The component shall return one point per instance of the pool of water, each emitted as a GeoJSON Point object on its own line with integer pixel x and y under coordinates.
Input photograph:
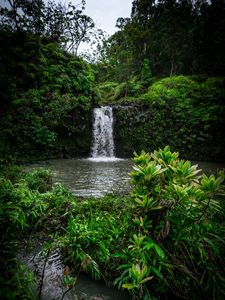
{"type": "Point", "coordinates": [88, 177]}
{"type": "Point", "coordinates": [94, 177]}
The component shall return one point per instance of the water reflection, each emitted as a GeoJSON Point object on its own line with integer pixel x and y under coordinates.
{"type": "Point", "coordinates": [86, 177]}
{"type": "Point", "coordinates": [52, 284]}
{"type": "Point", "coordinates": [91, 177]}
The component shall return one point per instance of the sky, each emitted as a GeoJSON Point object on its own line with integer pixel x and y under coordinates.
{"type": "Point", "coordinates": [106, 12]}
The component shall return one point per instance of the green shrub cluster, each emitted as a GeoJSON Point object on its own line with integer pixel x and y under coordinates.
{"type": "Point", "coordinates": [178, 245]}
{"type": "Point", "coordinates": [124, 92]}
{"type": "Point", "coordinates": [29, 206]}
{"type": "Point", "coordinates": [97, 231]}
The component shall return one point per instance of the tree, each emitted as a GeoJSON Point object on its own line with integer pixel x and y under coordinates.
{"type": "Point", "coordinates": [66, 25]}
{"type": "Point", "coordinates": [23, 15]}
{"type": "Point", "coordinates": [176, 37]}
{"type": "Point", "coordinates": [78, 28]}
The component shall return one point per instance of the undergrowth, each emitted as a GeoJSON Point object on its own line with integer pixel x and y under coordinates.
{"type": "Point", "coordinates": [164, 239]}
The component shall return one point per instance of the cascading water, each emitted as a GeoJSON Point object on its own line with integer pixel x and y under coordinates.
{"type": "Point", "coordinates": [103, 144]}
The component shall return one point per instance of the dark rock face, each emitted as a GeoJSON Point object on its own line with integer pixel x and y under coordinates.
{"type": "Point", "coordinates": [130, 130]}
{"type": "Point", "coordinates": [150, 127]}
{"type": "Point", "coordinates": [75, 136]}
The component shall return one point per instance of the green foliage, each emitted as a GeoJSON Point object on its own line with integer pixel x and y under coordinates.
{"type": "Point", "coordinates": [95, 234]}
{"type": "Point", "coordinates": [28, 204]}
{"type": "Point", "coordinates": [178, 244]}
{"type": "Point", "coordinates": [29, 201]}
{"type": "Point", "coordinates": [110, 92]}
{"type": "Point", "coordinates": [47, 97]}
{"type": "Point", "coordinates": [193, 31]}
{"type": "Point", "coordinates": [185, 112]}
{"type": "Point", "coordinates": [166, 238]}
{"type": "Point", "coordinates": [146, 73]}
{"type": "Point", "coordinates": [125, 92]}
{"type": "Point", "coordinates": [63, 24]}
{"type": "Point", "coordinates": [88, 232]}
{"type": "Point", "coordinates": [20, 205]}
{"type": "Point", "coordinates": [39, 180]}
{"type": "Point", "coordinates": [11, 172]}
{"type": "Point", "coordinates": [19, 285]}
{"type": "Point", "coordinates": [179, 88]}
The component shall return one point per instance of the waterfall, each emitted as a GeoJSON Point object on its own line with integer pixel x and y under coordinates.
{"type": "Point", "coordinates": [103, 144]}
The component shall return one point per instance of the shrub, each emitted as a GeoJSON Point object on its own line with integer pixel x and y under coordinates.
{"type": "Point", "coordinates": [96, 234]}
{"type": "Point", "coordinates": [172, 88]}
{"type": "Point", "coordinates": [178, 244]}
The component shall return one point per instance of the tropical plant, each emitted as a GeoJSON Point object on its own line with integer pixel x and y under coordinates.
{"type": "Point", "coordinates": [95, 235]}
{"type": "Point", "coordinates": [178, 244]}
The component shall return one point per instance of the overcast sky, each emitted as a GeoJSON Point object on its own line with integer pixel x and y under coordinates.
{"type": "Point", "coordinates": [106, 12]}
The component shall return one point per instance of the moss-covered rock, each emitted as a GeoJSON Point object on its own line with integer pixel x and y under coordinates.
{"type": "Point", "coordinates": [179, 111]}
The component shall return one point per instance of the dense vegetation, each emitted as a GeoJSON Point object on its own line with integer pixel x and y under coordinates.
{"type": "Point", "coordinates": [173, 37]}
{"type": "Point", "coordinates": [47, 93]}
{"type": "Point", "coordinates": [33, 119]}
{"type": "Point", "coordinates": [166, 238]}
{"type": "Point", "coordinates": [163, 72]}
{"type": "Point", "coordinates": [181, 111]}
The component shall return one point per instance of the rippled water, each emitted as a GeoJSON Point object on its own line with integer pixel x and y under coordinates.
{"type": "Point", "coordinates": [97, 177]}
{"type": "Point", "coordinates": [53, 288]}
{"type": "Point", "coordinates": [89, 177]}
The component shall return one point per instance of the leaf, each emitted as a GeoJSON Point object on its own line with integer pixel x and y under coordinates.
{"type": "Point", "coordinates": [149, 244]}
{"type": "Point", "coordinates": [156, 272]}
{"type": "Point", "coordinates": [129, 286]}
{"type": "Point", "coordinates": [160, 252]}
{"type": "Point", "coordinates": [147, 279]}
{"type": "Point", "coordinates": [156, 207]}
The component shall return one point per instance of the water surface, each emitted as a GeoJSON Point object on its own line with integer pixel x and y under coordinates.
{"type": "Point", "coordinates": [52, 268]}
{"type": "Point", "coordinates": [88, 177]}
{"type": "Point", "coordinates": [97, 177]}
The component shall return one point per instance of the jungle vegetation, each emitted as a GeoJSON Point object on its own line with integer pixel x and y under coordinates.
{"type": "Point", "coordinates": [164, 73]}
{"type": "Point", "coordinates": [167, 58]}
{"type": "Point", "coordinates": [165, 239]}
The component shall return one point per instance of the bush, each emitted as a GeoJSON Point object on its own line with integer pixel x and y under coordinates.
{"type": "Point", "coordinates": [28, 206]}
{"type": "Point", "coordinates": [178, 245]}
{"type": "Point", "coordinates": [39, 180]}
{"type": "Point", "coordinates": [96, 234]}
{"type": "Point", "coordinates": [179, 88]}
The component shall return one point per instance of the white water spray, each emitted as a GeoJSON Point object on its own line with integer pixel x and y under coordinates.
{"type": "Point", "coordinates": [103, 143]}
